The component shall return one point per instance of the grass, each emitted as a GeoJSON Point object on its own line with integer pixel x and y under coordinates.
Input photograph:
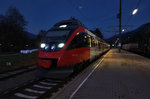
{"type": "Point", "coordinates": [17, 61]}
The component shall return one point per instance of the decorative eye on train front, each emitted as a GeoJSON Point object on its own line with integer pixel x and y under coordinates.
{"type": "Point", "coordinates": [53, 47]}
{"type": "Point", "coordinates": [43, 45]}
{"type": "Point", "coordinates": [47, 47]}
{"type": "Point", "coordinates": [60, 45]}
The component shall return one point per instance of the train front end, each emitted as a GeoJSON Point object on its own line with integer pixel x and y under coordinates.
{"type": "Point", "coordinates": [52, 47]}
{"type": "Point", "coordinates": [54, 43]}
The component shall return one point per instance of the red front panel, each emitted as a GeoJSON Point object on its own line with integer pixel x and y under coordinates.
{"type": "Point", "coordinates": [45, 59]}
{"type": "Point", "coordinates": [44, 63]}
{"type": "Point", "coordinates": [50, 55]}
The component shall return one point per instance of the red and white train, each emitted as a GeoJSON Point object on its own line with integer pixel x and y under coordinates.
{"type": "Point", "coordinates": [69, 43]}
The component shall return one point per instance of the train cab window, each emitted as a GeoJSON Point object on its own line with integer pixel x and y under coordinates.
{"type": "Point", "coordinates": [80, 40]}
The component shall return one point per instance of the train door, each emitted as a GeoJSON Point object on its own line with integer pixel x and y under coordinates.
{"type": "Point", "coordinates": [92, 49]}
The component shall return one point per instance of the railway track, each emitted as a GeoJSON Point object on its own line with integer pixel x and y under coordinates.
{"type": "Point", "coordinates": [41, 88]}
{"type": "Point", "coordinates": [13, 73]}
{"type": "Point", "coordinates": [36, 89]}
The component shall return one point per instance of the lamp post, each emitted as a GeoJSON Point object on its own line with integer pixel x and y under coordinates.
{"type": "Point", "coordinates": [120, 14]}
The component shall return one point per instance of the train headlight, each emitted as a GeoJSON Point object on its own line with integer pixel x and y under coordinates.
{"type": "Point", "coordinates": [43, 45]}
{"type": "Point", "coordinates": [60, 45]}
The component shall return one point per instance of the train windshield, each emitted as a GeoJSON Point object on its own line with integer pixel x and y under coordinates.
{"type": "Point", "coordinates": [54, 40]}
{"type": "Point", "coordinates": [56, 35]}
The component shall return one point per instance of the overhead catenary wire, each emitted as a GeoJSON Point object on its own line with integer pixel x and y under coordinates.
{"type": "Point", "coordinates": [138, 4]}
{"type": "Point", "coordinates": [89, 20]}
{"type": "Point", "coordinates": [76, 8]}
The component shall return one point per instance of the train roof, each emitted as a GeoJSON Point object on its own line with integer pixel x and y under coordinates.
{"type": "Point", "coordinates": [72, 23]}
{"type": "Point", "coordinates": [95, 36]}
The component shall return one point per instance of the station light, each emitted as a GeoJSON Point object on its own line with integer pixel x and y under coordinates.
{"type": "Point", "coordinates": [134, 11]}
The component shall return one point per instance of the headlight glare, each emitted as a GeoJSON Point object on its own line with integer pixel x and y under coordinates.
{"type": "Point", "coordinates": [43, 45]}
{"type": "Point", "coordinates": [60, 45]}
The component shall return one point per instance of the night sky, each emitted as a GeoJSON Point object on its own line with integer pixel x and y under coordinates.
{"type": "Point", "coordinates": [42, 14]}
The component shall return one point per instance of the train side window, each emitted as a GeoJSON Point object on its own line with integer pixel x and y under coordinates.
{"type": "Point", "coordinates": [93, 42]}
{"type": "Point", "coordinates": [84, 40]}
{"type": "Point", "coordinates": [89, 41]}
{"type": "Point", "coordinates": [80, 40]}
{"type": "Point", "coordinates": [99, 45]}
{"type": "Point", "coordinates": [74, 42]}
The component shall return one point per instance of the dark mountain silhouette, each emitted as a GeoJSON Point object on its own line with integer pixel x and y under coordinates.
{"type": "Point", "coordinates": [143, 32]}
{"type": "Point", "coordinates": [30, 35]}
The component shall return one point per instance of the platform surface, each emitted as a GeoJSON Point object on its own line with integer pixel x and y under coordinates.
{"type": "Point", "coordinates": [115, 76]}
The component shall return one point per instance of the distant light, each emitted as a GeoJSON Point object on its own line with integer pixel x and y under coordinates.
{"type": "Point", "coordinates": [80, 7]}
{"type": "Point", "coordinates": [134, 11]}
{"type": "Point", "coordinates": [27, 45]}
{"type": "Point", "coordinates": [0, 44]}
{"type": "Point", "coordinates": [43, 45]}
{"type": "Point", "coordinates": [113, 45]}
{"type": "Point", "coordinates": [63, 26]}
{"type": "Point", "coordinates": [123, 30]}
{"type": "Point", "coordinates": [119, 45]}
{"type": "Point", "coordinates": [60, 45]}
{"type": "Point", "coordinates": [77, 33]}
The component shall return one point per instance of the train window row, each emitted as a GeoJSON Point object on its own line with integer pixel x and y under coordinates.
{"type": "Point", "coordinates": [80, 40]}
{"type": "Point", "coordinates": [84, 40]}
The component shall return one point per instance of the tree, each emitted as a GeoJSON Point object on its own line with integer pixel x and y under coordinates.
{"type": "Point", "coordinates": [1, 27]}
{"type": "Point", "coordinates": [15, 18]}
{"type": "Point", "coordinates": [98, 33]}
{"type": "Point", "coordinates": [12, 27]}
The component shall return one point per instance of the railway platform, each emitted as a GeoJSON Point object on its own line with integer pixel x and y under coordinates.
{"type": "Point", "coordinates": [114, 76]}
